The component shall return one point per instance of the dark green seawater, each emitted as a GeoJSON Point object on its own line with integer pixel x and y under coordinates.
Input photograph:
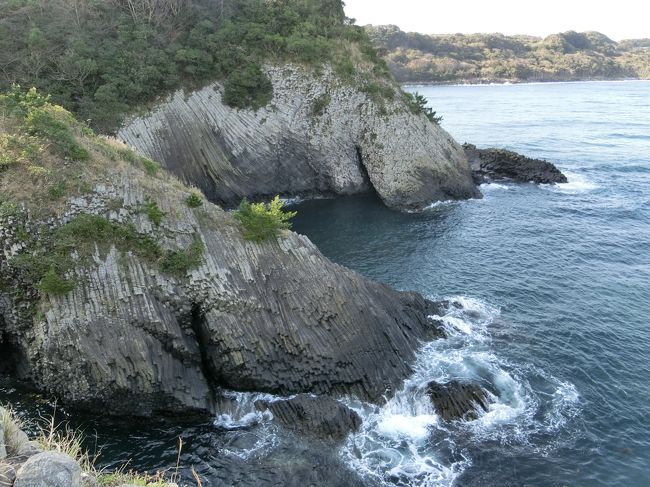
{"type": "Point", "coordinates": [555, 283]}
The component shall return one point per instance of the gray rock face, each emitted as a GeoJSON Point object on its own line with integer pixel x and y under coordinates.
{"type": "Point", "coordinates": [351, 146]}
{"type": "Point", "coordinates": [274, 317]}
{"type": "Point", "coordinates": [3, 448]}
{"type": "Point", "coordinates": [49, 470]}
{"type": "Point", "coordinates": [455, 400]}
{"type": "Point", "coordinates": [500, 164]}
{"type": "Point", "coordinates": [7, 475]}
{"type": "Point", "coordinates": [322, 417]}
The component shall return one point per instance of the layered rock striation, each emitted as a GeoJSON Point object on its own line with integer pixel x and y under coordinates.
{"type": "Point", "coordinates": [320, 135]}
{"type": "Point", "coordinates": [133, 339]}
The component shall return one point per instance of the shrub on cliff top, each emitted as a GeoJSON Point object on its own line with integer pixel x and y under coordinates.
{"type": "Point", "coordinates": [263, 221]}
{"type": "Point", "coordinates": [418, 105]}
{"type": "Point", "coordinates": [55, 125]}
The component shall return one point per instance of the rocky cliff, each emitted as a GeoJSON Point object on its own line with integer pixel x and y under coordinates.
{"type": "Point", "coordinates": [161, 302]}
{"type": "Point", "coordinates": [319, 135]}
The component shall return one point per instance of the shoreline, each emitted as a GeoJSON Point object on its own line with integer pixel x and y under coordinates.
{"type": "Point", "coordinates": [506, 82]}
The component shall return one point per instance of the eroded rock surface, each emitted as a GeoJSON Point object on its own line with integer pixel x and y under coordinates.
{"type": "Point", "coordinates": [456, 400]}
{"type": "Point", "coordinates": [318, 416]}
{"type": "Point", "coordinates": [319, 135]}
{"type": "Point", "coordinates": [49, 469]}
{"type": "Point", "coordinates": [500, 164]}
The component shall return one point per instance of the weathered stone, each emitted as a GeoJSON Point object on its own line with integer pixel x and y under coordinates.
{"type": "Point", "coordinates": [455, 400]}
{"type": "Point", "coordinates": [49, 469]}
{"type": "Point", "coordinates": [3, 448]}
{"type": "Point", "coordinates": [318, 416]}
{"type": "Point", "coordinates": [500, 164]}
{"type": "Point", "coordinates": [7, 475]}
{"type": "Point", "coordinates": [274, 317]}
{"type": "Point", "coordinates": [354, 145]}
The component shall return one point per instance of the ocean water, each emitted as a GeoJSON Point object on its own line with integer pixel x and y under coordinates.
{"type": "Point", "coordinates": [556, 286]}
{"type": "Point", "coordinates": [554, 283]}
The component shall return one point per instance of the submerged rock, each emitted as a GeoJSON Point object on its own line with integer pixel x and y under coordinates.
{"type": "Point", "coordinates": [352, 143]}
{"type": "Point", "coordinates": [500, 164]}
{"type": "Point", "coordinates": [319, 416]}
{"type": "Point", "coordinates": [456, 400]}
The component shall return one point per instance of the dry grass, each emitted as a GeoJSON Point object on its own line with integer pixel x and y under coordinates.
{"type": "Point", "coordinates": [62, 438]}
{"type": "Point", "coordinates": [44, 180]}
{"type": "Point", "coordinates": [15, 440]}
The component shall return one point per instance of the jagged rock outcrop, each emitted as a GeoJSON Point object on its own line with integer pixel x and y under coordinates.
{"type": "Point", "coordinates": [319, 416]}
{"type": "Point", "coordinates": [501, 164]}
{"type": "Point", "coordinates": [274, 317]}
{"type": "Point", "coordinates": [319, 135]}
{"type": "Point", "coordinates": [456, 400]}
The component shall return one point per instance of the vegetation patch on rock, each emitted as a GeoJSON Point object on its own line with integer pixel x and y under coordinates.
{"type": "Point", "coordinates": [263, 221]}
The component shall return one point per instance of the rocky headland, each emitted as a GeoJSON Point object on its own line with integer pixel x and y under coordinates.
{"type": "Point", "coordinates": [120, 295]}
{"type": "Point", "coordinates": [319, 135]}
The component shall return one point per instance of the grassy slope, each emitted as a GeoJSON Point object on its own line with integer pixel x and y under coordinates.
{"type": "Point", "coordinates": [48, 157]}
{"type": "Point", "coordinates": [570, 55]}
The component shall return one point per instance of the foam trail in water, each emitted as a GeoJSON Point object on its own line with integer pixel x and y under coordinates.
{"type": "Point", "coordinates": [577, 184]}
{"type": "Point", "coordinates": [251, 430]}
{"type": "Point", "coordinates": [406, 443]}
{"type": "Point", "coordinates": [487, 187]}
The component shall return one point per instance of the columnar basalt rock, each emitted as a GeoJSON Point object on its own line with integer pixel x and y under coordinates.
{"type": "Point", "coordinates": [504, 165]}
{"type": "Point", "coordinates": [352, 144]}
{"type": "Point", "coordinates": [455, 400]}
{"type": "Point", "coordinates": [318, 416]}
{"type": "Point", "coordinates": [274, 317]}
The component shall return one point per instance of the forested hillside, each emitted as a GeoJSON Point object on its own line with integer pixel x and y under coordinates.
{"type": "Point", "coordinates": [102, 59]}
{"type": "Point", "coordinates": [414, 57]}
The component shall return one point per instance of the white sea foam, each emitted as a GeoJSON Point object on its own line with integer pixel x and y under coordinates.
{"type": "Point", "coordinates": [577, 184]}
{"type": "Point", "coordinates": [435, 204]}
{"type": "Point", "coordinates": [230, 422]}
{"type": "Point", "coordinates": [487, 187]}
{"type": "Point", "coordinates": [395, 441]}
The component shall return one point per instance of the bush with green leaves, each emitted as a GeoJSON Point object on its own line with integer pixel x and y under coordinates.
{"type": "Point", "coordinates": [103, 60]}
{"type": "Point", "coordinates": [153, 211]}
{"type": "Point", "coordinates": [194, 200]}
{"type": "Point", "coordinates": [320, 104]}
{"type": "Point", "coordinates": [263, 221]}
{"type": "Point", "coordinates": [418, 105]}
{"type": "Point", "coordinates": [53, 284]}
{"type": "Point", "coordinates": [180, 262]}
{"type": "Point", "coordinates": [54, 124]}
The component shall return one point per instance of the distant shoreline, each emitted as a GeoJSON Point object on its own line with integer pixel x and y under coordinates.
{"type": "Point", "coordinates": [496, 82]}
